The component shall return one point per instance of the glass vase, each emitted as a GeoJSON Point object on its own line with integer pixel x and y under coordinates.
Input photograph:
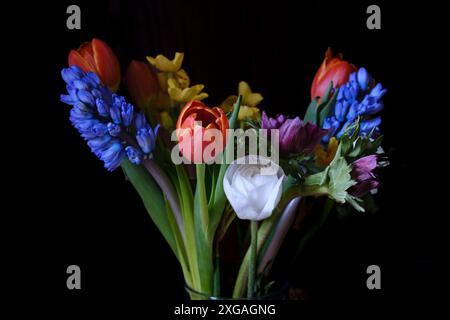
{"type": "Point", "coordinates": [280, 292]}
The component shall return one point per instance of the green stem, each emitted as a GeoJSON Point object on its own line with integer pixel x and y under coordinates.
{"type": "Point", "coordinates": [252, 262]}
{"type": "Point", "coordinates": [202, 201]}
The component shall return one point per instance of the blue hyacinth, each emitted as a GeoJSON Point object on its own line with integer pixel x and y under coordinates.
{"type": "Point", "coordinates": [357, 98]}
{"type": "Point", "coordinates": [106, 121]}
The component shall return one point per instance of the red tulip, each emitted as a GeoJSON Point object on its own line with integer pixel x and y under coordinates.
{"type": "Point", "coordinates": [142, 83]}
{"type": "Point", "coordinates": [96, 56]}
{"type": "Point", "coordinates": [332, 69]}
{"type": "Point", "coordinates": [201, 132]}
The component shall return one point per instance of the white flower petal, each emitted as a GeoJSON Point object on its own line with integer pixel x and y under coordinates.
{"type": "Point", "coordinates": [253, 194]}
{"type": "Point", "coordinates": [273, 200]}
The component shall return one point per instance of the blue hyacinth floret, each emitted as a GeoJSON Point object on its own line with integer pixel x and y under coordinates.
{"type": "Point", "coordinates": [106, 121]}
{"type": "Point", "coordinates": [356, 98]}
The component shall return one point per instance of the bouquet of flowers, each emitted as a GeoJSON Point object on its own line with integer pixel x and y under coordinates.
{"type": "Point", "coordinates": [199, 168]}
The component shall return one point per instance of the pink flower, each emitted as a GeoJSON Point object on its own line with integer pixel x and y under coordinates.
{"type": "Point", "coordinates": [362, 173]}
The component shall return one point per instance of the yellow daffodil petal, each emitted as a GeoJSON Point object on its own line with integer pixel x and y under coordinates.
{"type": "Point", "coordinates": [173, 83]}
{"type": "Point", "coordinates": [332, 147]}
{"type": "Point", "coordinates": [183, 79]}
{"type": "Point", "coordinates": [163, 64]}
{"type": "Point", "coordinates": [198, 88]}
{"type": "Point", "coordinates": [324, 158]}
{"type": "Point", "coordinates": [253, 99]}
{"type": "Point", "coordinates": [174, 93]}
{"type": "Point", "coordinates": [244, 88]}
{"type": "Point", "coordinates": [249, 98]}
{"type": "Point", "coordinates": [187, 94]}
{"type": "Point", "coordinates": [246, 112]}
{"type": "Point", "coordinates": [201, 96]}
{"type": "Point", "coordinates": [177, 61]}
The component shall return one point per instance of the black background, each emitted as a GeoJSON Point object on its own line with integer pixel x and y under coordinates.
{"type": "Point", "coordinates": [81, 214]}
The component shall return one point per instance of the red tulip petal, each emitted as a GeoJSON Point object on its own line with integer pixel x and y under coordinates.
{"type": "Point", "coordinates": [107, 64]}
{"type": "Point", "coordinates": [186, 110]}
{"type": "Point", "coordinates": [75, 59]}
{"type": "Point", "coordinates": [87, 53]}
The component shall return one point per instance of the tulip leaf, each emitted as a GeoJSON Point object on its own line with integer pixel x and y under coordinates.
{"type": "Point", "coordinates": [234, 116]}
{"type": "Point", "coordinates": [152, 198]}
{"type": "Point", "coordinates": [204, 242]}
{"type": "Point", "coordinates": [311, 112]}
{"type": "Point", "coordinates": [324, 108]}
{"type": "Point", "coordinates": [187, 204]}
{"type": "Point", "coordinates": [182, 257]}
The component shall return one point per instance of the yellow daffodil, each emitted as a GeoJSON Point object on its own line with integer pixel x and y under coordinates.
{"type": "Point", "coordinates": [249, 98]}
{"type": "Point", "coordinates": [324, 157]}
{"type": "Point", "coordinates": [248, 105]}
{"type": "Point", "coordinates": [163, 64]}
{"type": "Point", "coordinates": [180, 95]}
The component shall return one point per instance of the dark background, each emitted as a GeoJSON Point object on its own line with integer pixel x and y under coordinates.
{"type": "Point", "coordinates": [81, 214]}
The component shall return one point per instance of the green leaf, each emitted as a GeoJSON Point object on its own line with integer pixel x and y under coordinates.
{"type": "Point", "coordinates": [340, 179]}
{"type": "Point", "coordinates": [152, 198]}
{"type": "Point", "coordinates": [324, 108]}
{"type": "Point", "coordinates": [355, 146]}
{"type": "Point", "coordinates": [319, 178]}
{"type": "Point", "coordinates": [336, 177]}
{"type": "Point", "coordinates": [204, 242]}
{"type": "Point", "coordinates": [182, 257]}
{"type": "Point", "coordinates": [355, 202]}
{"type": "Point", "coordinates": [311, 112]}
{"type": "Point", "coordinates": [187, 211]}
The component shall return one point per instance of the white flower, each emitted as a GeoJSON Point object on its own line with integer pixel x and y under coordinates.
{"type": "Point", "coordinates": [253, 185]}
